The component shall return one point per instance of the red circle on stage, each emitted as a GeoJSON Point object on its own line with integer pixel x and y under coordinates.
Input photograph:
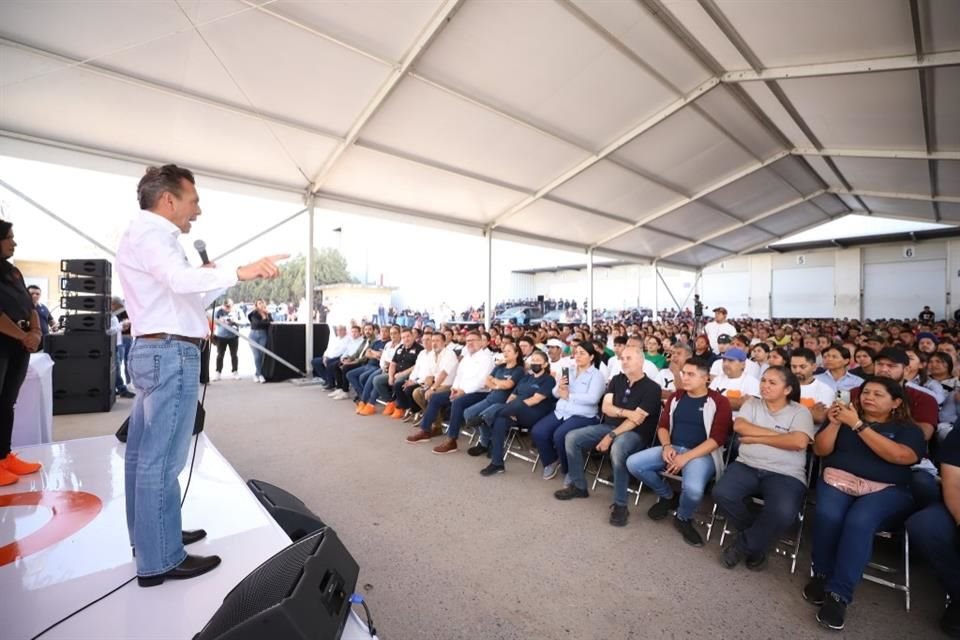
{"type": "Point", "coordinates": [72, 511]}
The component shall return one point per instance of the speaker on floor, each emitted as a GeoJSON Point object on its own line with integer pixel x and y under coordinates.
{"type": "Point", "coordinates": [293, 516]}
{"type": "Point", "coordinates": [83, 371]}
{"type": "Point", "coordinates": [303, 592]}
{"type": "Point", "coordinates": [86, 267]}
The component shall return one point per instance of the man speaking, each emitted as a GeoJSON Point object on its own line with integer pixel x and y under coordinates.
{"type": "Point", "coordinates": [166, 300]}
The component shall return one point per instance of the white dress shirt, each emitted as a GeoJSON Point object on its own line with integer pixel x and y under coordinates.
{"type": "Point", "coordinates": [473, 371]}
{"type": "Point", "coordinates": [164, 294]}
{"type": "Point", "coordinates": [336, 347]}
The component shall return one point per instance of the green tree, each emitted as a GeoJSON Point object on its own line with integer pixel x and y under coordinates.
{"type": "Point", "coordinates": [329, 267]}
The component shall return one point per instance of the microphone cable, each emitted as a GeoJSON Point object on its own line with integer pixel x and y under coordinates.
{"type": "Point", "coordinates": [193, 459]}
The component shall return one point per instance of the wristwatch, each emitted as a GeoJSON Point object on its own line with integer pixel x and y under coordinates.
{"type": "Point", "coordinates": [860, 426]}
{"type": "Point", "coordinates": [612, 435]}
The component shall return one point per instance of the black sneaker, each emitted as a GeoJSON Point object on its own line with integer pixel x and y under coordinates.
{"type": "Point", "coordinates": [950, 622]}
{"type": "Point", "coordinates": [732, 555]}
{"type": "Point", "coordinates": [757, 562]}
{"type": "Point", "coordinates": [832, 613]}
{"type": "Point", "coordinates": [492, 469]}
{"type": "Point", "coordinates": [661, 509]}
{"type": "Point", "coordinates": [815, 591]}
{"type": "Point", "coordinates": [477, 450]}
{"type": "Point", "coordinates": [690, 534]}
{"type": "Point", "coordinates": [568, 493]}
{"type": "Point", "coordinates": [619, 515]}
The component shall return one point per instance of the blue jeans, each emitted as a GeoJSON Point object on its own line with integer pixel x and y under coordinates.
{"type": "Point", "coordinates": [439, 400]}
{"type": "Point", "coordinates": [167, 376]}
{"type": "Point", "coordinates": [844, 528]}
{"type": "Point", "coordinates": [357, 377]}
{"type": "Point", "coordinates": [459, 407]}
{"type": "Point", "coordinates": [127, 345]}
{"type": "Point", "coordinates": [933, 534]}
{"type": "Point", "coordinates": [259, 337]}
{"type": "Point", "coordinates": [782, 497]}
{"type": "Point", "coordinates": [647, 465]}
{"type": "Point", "coordinates": [494, 435]}
{"type": "Point", "coordinates": [623, 446]}
{"type": "Point", "coordinates": [550, 433]}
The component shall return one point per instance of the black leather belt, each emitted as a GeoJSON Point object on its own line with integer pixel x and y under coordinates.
{"type": "Point", "coordinates": [172, 336]}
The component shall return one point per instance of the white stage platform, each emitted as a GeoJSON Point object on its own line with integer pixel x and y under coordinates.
{"type": "Point", "coordinates": [55, 577]}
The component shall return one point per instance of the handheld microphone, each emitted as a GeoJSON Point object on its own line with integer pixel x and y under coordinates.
{"type": "Point", "coordinates": [201, 248]}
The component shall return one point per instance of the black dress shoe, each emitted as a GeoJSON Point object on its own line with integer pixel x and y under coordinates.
{"type": "Point", "coordinates": [196, 535]}
{"type": "Point", "coordinates": [191, 567]}
{"type": "Point", "coordinates": [188, 537]}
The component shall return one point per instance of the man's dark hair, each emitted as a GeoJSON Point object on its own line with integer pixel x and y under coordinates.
{"type": "Point", "coordinates": [843, 351]}
{"type": "Point", "coordinates": [31, 287]}
{"type": "Point", "coordinates": [158, 180]}
{"type": "Point", "coordinates": [806, 354]}
{"type": "Point", "coordinates": [702, 364]}
{"type": "Point", "coordinates": [620, 340]}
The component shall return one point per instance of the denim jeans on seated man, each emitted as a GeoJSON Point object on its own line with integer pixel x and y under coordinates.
{"type": "Point", "coordinates": [782, 499]}
{"type": "Point", "coordinates": [647, 465]}
{"type": "Point", "coordinates": [439, 400]}
{"type": "Point", "coordinates": [495, 435]}
{"type": "Point", "coordinates": [356, 377]}
{"type": "Point", "coordinates": [384, 390]}
{"type": "Point", "coordinates": [458, 409]}
{"type": "Point", "coordinates": [166, 374]}
{"type": "Point", "coordinates": [843, 532]}
{"type": "Point", "coordinates": [623, 446]}
{"type": "Point", "coordinates": [933, 535]}
{"type": "Point", "coordinates": [550, 434]}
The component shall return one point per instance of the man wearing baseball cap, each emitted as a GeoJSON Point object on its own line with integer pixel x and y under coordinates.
{"type": "Point", "coordinates": [717, 327]}
{"type": "Point", "coordinates": [733, 382]}
{"type": "Point", "coordinates": [558, 361]}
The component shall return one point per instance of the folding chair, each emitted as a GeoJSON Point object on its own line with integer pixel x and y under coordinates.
{"type": "Point", "coordinates": [598, 480]}
{"type": "Point", "coordinates": [509, 448]}
{"type": "Point", "coordinates": [892, 571]}
{"type": "Point", "coordinates": [710, 520]}
{"type": "Point", "coordinates": [787, 546]}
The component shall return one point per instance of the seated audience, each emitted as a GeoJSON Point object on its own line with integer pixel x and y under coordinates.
{"type": "Point", "coordinates": [667, 378]}
{"type": "Point", "coordinates": [368, 391]}
{"type": "Point", "coordinates": [868, 448]}
{"type": "Point", "coordinates": [631, 410]}
{"type": "Point", "coordinates": [773, 434]}
{"type": "Point", "coordinates": [835, 361]}
{"type": "Point", "coordinates": [434, 370]}
{"type": "Point", "coordinates": [864, 356]}
{"type": "Point", "coordinates": [815, 395]}
{"type": "Point", "coordinates": [500, 384]}
{"type": "Point", "coordinates": [653, 352]}
{"type": "Point", "coordinates": [578, 392]}
{"type": "Point", "coordinates": [335, 348]}
{"type": "Point", "coordinates": [692, 432]}
{"type": "Point", "coordinates": [389, 383]}
{"type": "Point", "coordinates": [733, 381]}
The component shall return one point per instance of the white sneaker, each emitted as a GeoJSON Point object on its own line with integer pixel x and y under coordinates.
{"type": "Point", "coordinates": [236, 375]}
{"type": "Point", "coordinates": [343, 395]}
{"type": "Point", "coordinates": [259, 379]}
{"type": "Point", "coordinates": [333, 393]}
{"type": "Point", "coordinates": [216, 376]}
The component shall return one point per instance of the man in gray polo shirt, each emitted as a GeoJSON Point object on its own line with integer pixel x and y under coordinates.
{"type": "Point", "coordinates": [774, 432]}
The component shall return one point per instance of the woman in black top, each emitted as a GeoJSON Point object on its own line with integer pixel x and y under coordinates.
{"type": "Point", "coordinates": [260, 320]}
{"type": "Point", "coordinates": [867, 449]}
{"type": "Point", "coordinates": [19, 337]}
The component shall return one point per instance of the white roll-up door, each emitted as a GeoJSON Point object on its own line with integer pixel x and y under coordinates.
{"type": "Point", "coordinates": [803, 293]}
{"type": "Point", "coordinates": [901, 289]}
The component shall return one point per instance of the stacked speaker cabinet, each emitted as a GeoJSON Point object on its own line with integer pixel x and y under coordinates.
{"type": "Point", "coordinates": [84, 355]}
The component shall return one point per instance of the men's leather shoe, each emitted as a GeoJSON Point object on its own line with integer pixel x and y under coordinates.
{"type": "Point", "coordinates": [191, 567]}
{"type": "Point", "coordinates": [196, 535]}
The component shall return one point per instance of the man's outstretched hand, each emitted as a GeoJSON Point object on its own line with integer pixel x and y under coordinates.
{"type": "Point", "coordinates": [265, 268]}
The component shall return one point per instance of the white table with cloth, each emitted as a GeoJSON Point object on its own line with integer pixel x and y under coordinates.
{"type": "Point", "coordinates": [33, 413]}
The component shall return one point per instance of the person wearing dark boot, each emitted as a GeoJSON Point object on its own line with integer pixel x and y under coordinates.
{"type": "Point", "coordinates": [166, 298]}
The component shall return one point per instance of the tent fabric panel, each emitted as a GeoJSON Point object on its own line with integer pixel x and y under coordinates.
{"type": "Point", "coordinates": [385, 28]}
{"type": "Point", "coordinates": [939, 29]}
{"type": "Point", "coordinates": [945, 101]}
{"type": "Point", "coordinates": [692, 221]}
{"type": "Point", "coordinates": [699, 24]}
{"type": "Point", "coordinates": [864, 111]}
{"type": "Point", "coordinates": [753, 194]}
{"type": "Point", "coordinates": [699, 255]}
{"type": "Point", "coordinates": [645, 241]}
{"type": "Point", "coordinates": [798, 217]}
{"type": "Point", "coordinates": [519, 56]}
{"type": "Point", "coordinates": [609, 187]}
{"type": "Point", "coordinates": [889, 175]}
{"type": "Point", "coordinates": [740, 123]}
{"type": "Point", "coordinates": [814, 31]}
{"type": "Point", "coordinates": [686, 149]}
{"type": "Point", "coordinates": [914, 209]}
{"type": "Point", "coordinates": [555, 220]}
{"type": "Point", "coordinates": [424, 121]}
{"type": "Point", "coordinates": [948, 178]}
{"type": "Point", "coordinates": [369, 175]}
{"type": "Point", "coordinates": [742, 238]}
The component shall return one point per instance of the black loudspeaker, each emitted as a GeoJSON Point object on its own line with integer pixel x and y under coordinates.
{"type": "Point", "coordinates": [540, 298]}
{"type": "Point", "coordinates": [99, 322]}
{"type": "Point", "coordinates": [302, 592]}
{"type": "Point", "coordinates": [97, 284]}
{"type": "Point", "coordinates": [86, 303]}
{"type": "Point", "coordinates": [294, 517]}
{"type": "Point", "coordinates": [83, 371]}
{"type": "Point", "coordinates": [100, 268]}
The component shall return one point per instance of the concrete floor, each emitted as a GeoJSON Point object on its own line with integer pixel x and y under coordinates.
{"type": "Point", "coordinates": [445, 553]}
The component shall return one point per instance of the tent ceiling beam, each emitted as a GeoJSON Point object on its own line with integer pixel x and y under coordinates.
{"type": "Point", "coordinates": [750, 169]}
{"type": "Point", "coordinates": [883, 154]}
{"type": "Point", "coordinates": [661, 115]}
{"type": "Point", "coordinates": [437, 22]}
{"type": "Point", "coordinates": [896, 196]}
{"type": "Point", "coordinates": [826, 69]}
{"type": "Point", "coordinates": [751, 221]}
{"type": "Point", "coordinates": [925, 78]}
{"type": "Point", "coordinates": [88, 67]}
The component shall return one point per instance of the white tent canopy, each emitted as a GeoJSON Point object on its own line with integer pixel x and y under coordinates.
{"type": "Point", "coordinates": [669, 130]}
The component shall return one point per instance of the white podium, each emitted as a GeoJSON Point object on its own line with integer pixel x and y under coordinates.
{"type": "Point", "coordinates": [33, 413]}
